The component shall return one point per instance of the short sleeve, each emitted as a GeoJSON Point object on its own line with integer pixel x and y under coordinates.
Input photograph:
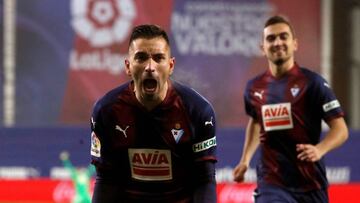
{"type": "Point", "coordinates": [249, 108]}
{"type": "Point", "coordinates": [326, 100]}
{"type": "Point", "coordinates": [204, 146]}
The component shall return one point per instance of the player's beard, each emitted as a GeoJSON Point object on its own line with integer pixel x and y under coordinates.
{"type": "Point", "coordinates": [149, 97]}
{"type": "Point", "coordinates": [279, 61]}
{"type": "Point", "coordinates": [280, 55]}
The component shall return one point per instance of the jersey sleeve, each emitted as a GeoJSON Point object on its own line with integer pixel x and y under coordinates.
{"type": "Point", "coordinates": [97, 132]}
{"type": "Point", "coordinates": [329, 105]}
{"type": "Point", "coordinates": [203, 123]}
{"type": "Point", "coordinates": [204, 152]}
{"type": "Point", "coordinates": [249, 108]}
{"type": "Point", "coordinates": [204, 145]}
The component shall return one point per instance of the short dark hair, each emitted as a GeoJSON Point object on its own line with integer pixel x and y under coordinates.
{"type": "Point", "coordinates": [279, 19]}
{"type": "Point", "coordinates": [148, 31]}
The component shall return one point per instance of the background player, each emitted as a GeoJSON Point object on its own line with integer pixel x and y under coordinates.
{"type": "Point", "coordinates": [81, 179]}
{"type": "Point", "coordinates": [286, 105]}
{"type": "Point", "coordinates": [153, 139]}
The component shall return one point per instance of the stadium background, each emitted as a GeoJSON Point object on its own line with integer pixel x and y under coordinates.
{"type": "Point", "coordinates": [69, 53]}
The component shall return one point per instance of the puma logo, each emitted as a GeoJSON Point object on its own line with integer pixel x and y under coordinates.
{"type": "Point", "coordinates": [259, 94]}
{"type": "Point", "coordinates": [122, 130]}
{"type": "Point", "coordinates": [209, 122]}
{"type": "Point", "coordinates": [93, 122]}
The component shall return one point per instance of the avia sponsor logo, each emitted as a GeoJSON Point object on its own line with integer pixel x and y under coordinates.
{"type": "Point", "coordinates": [277, 116]}
{"type": "Point", "coordinates": [150, 164]}
{"type": "Point", "coordinates": [204, 145]}
{"type": "Point", "coordinates": [331, 105]}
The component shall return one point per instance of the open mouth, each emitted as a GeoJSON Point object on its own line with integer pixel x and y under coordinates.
{"type": "Point", "coordinates": [150, 85]}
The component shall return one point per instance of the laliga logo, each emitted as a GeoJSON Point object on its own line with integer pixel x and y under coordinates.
{"type": "Point", "coordinates": [102, 22]}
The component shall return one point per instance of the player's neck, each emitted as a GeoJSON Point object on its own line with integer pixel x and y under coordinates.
{"type": "Point", "coordinates": [278, 70]}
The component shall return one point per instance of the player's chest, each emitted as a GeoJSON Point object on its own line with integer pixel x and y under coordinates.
{"type": "Point", "coordinates": [292, 91]}
{"type": "Point", "coordinates": [277, 103]}
{"type": "Point", "coordinates": [138, 128]}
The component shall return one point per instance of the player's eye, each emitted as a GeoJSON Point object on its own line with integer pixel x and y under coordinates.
{"type": "Point", "coordinates": [284, 36]}
{"type": "Point", "coordinates": [141, 56]}
{"type": "Point", "coordinates": [158, 57]}
{"type": "Point", "coordinates": [270, 38]}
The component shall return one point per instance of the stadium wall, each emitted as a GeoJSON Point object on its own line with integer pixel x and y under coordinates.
{"type": "Point", "coordinates": [30, 163]}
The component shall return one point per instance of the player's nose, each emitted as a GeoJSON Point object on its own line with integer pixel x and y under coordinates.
{"type": "Point", "coordinates": [150, 66]}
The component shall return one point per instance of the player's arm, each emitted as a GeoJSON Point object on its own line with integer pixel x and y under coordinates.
{"type": "Point", "coordinates": [335, 137]}
{"type": "Point", "coordinates": [97, 132]}
{"type": "Point", "coordinates": [252, 141]}
{"type": "Point", "coordinates": [205, 157]}
{"type": "Point", "coordinates": [205, 191]}
{"type": "Point", "coordinates": [332, 113]}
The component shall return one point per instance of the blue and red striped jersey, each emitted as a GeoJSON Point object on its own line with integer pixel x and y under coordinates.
{"type": "Point", "coordinates": [290, 110]}
{"type": "Point", "coordinates": [152, 154]}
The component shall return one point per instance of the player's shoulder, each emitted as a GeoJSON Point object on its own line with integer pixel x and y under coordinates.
{"type": "Point", "coordinates": [189, 94]}
{"type": "Point", "coordinates": [196, 105]}
{"type": "Point", "coordinates": [312, 76]}
{"type": "Point", "coordinates": [194, 102]}
{"type": "Point", "coordinates": [110, 97]}
{"type": "Point", "coordinates": [308, 72]}
{"type": "Point", "coordinates": [259, 78]}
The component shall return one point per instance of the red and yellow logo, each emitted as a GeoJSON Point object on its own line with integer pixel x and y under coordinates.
{"type": "Point", "coordinates": [277, 116]}
{"type": "Point", "coordinates": [150, 164]}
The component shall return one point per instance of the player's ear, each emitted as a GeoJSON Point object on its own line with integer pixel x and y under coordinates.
{"type": "Point", "coordinates": [172, 64]}
{"type": "Point", "coordinates": [261, 46]}
{"type": "Point", "coordinates": [295, 44]}
{"type": "Point", "coordinates": [127, 67]}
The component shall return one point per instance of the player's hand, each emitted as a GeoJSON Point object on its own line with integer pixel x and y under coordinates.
{"type": "Point", "coordinates": [64, 155]}
{"type": "Point", "coordinates": [239, 172]}
{"type": "Point", "coordinates": [308, 152]}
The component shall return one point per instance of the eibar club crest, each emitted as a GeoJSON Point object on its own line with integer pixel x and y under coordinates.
{"type": "Point", "coordinates": [177, 132]}
{"type": "Point", "coordinates": [295, 90]}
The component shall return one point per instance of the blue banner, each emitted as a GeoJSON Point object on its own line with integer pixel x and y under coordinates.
{"type": "Point", "coordinates": [34, 152]}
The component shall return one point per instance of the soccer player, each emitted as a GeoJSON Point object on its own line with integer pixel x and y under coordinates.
{"type": "Point", "coordinates": [286, 105]}
{"type": "Point", "coordinates": [81, 179]}
{"type": "Point", "coordinates": [153, 139]}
